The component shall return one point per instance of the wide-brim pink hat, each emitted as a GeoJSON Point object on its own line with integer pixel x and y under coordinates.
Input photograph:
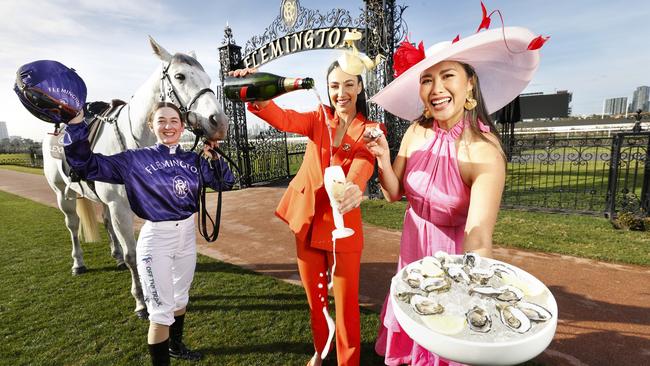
{"type": "Point", "coordinates": [501, 58]}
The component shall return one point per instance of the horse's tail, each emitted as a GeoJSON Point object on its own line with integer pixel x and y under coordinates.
{"type": "Point", "coordinates": [89, 229]}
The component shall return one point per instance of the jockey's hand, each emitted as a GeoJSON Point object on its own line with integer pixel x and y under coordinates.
{"type": "Point", "coordinates": [208, 150]}
{"type": "Point", "coordinates": [351, 198]}
{"type": "Point", "coordinates": [259, 104]}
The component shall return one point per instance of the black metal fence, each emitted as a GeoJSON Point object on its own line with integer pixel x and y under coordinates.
{"type": "Point", "coordinates": [589, 175]}
{"type": "Point", "coordinates": [585, 175]}
{"type": "Point", "coordinates": [27, 156]}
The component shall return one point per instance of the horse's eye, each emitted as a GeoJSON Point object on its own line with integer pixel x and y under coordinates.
{"type": "Point", "coordinates": [180, 77]}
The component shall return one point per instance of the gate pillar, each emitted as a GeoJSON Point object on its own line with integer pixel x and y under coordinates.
{"type": "Point", "coordinates": [385, 28]}
{"type": "Point", "coordinates": [230, 58]}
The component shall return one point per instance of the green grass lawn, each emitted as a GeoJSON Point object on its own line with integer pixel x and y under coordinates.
{"type": "Point", "coordinates": [581, 236]}
{"type": "Point", "coordinates": [236, 317]}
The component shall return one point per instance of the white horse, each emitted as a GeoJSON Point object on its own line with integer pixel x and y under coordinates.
{"type": "Point", "coordinates": [183, 81]}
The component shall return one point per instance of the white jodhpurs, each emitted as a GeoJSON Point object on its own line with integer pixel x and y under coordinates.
{"type": "Point", "coordinates": [166, 255]}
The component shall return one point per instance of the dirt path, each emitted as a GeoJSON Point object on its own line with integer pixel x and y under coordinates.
{"type": "Point", "coordinates": [604, 308]}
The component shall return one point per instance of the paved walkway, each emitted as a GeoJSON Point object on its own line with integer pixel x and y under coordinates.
{"type": "Point", "coordinates": [604, 308]}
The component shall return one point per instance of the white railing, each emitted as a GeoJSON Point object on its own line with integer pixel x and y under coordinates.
{"type": "Point", "coordinates": [568, 130]}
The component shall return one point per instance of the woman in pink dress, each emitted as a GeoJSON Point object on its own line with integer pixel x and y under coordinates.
{"type": "Point", "coordinates": [450, 164]}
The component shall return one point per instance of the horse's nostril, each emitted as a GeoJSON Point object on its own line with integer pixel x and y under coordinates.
{"type": "Point", "coordinates": [213, 120]}
{"type": "Point", "coordinates": [217, 120]}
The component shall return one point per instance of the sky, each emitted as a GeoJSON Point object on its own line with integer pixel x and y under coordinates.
{"type": "Point", "coordinates": [598, 49]}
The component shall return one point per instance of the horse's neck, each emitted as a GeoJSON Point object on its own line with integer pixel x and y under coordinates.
{"type": "Point", "coordinates": [133, 119]}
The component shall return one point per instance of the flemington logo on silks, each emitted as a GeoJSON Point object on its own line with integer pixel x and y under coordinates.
{"type": "Point", "coordinates": [66, 92]}
{"type": "Point", "coordinates": [181, 186]}
{"type": "Point", "coordinates": [169, 163]}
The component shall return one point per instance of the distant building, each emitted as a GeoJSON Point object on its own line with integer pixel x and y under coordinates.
{"type": "Point", "coordinates": [539, 105]}
{"type": "Point", "coordinates": [3, 130]}
{"type": "Point", "coordinates": [615, 106]}
{"type": "Point", "coordinates": [640, 99]}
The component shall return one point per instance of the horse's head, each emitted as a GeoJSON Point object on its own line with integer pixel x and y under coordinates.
{"type": "Point", "coordinates": [189, 85]}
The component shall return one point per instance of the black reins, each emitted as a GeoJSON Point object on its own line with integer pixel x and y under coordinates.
{"type": "Point", "coordinates": [204, 216]}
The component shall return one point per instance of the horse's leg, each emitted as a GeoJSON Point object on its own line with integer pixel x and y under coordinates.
{"type": "Point", "coordinates": [51, 170]}
{"type": "Point", "coordinates": [122, 223]}
{"type": "Point", "coordinates": [72, 223]}
{"type": "Point", "coordinates": [116, 248]}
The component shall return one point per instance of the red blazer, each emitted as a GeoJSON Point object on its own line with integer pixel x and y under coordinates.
{"type": "Point", "coordinates": [305, 203]}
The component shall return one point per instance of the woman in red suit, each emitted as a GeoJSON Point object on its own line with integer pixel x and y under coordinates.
{"type": "Point", "coordinates": [305, 206]}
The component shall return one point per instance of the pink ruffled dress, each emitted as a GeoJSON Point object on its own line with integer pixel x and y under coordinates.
{"type": "Point", "coordinates": [438, 202]}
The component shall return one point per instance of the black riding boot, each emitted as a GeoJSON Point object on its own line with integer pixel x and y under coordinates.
{"type": "Point", "coordinates": [160, 353]}
{"type": "Point", "coordinates": [176, 347]}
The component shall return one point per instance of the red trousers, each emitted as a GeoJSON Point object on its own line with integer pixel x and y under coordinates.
{"type": "Point", "coordinates": [313, 265]}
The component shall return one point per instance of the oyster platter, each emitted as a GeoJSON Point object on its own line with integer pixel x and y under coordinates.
{"type": "Point", "coordinates": [474, 310]}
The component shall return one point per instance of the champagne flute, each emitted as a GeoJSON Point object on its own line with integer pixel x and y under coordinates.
{"type": "Point", "coordinates": [334, 180]}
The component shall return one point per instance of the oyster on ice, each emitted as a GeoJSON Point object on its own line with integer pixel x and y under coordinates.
{"type": "Point", "coordinates": [413, 278]}
{"type": "Point", "coordinates": [457, 273]}
{"type": "Point", "coordinates": [504, 293]}
{"type": "Point", "coordinates": [426, 306]}
{"type": "Point", "coordinates": [534, 312]}
{"type": "Point", "coordinates": [437, 284]}
{"type": "Point", "coordinates": [513, 318]}
{"type": "Point", "coordinates": [406, 296]}
{"type": "Point", "coordinates": [471, 260]}
{"type": "Point", "coordinates": [480, 275]}
{"type": "Point", "coordinates": [500, 268]}
{"type": "Point", "coordinates": [479, 320]}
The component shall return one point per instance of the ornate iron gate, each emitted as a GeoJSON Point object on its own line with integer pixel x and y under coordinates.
{"type": "Point", "coordinates": [268, 156]}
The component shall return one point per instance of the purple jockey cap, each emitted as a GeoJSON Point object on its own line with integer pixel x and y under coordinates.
{"type": "Point", "coordinates": [50, 90]}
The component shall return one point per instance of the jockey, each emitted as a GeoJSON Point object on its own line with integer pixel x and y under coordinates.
{"type": "Point", "coordinates": [162, 183]}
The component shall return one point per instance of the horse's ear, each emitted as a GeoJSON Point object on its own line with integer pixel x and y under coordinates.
{"type": "Point", "coordinates": [192, 54]}
{"type": "Point", "coordinates": [159, 50]}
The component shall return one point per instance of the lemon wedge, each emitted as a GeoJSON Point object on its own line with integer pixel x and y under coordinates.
{"type": "Point", "coordinates": [445, 324]}
{"type": "Point", "coordinates": [528, 288]}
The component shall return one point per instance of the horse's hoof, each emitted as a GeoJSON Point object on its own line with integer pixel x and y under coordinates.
{"type": "Point", "coordinates": [142, 314]}
{"type": "Point", "coordinates": [122, 267]}
{"type": "Point", "coordinates": [79, 270]}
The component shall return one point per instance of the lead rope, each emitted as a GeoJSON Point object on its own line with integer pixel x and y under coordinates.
{"type": "Point", "coordinates": [204, 216]}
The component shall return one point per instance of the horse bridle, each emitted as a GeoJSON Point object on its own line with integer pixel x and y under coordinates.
{"type": "Point", "coordinates": [173, 94]}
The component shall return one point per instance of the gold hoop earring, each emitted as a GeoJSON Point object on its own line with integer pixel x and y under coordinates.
{"type": "Point", "coordinates": [427, 113]}
{"type": "Point", "coordinates": [470, 102]}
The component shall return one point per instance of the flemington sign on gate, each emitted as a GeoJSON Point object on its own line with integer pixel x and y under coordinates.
{"type": "Point", "coordinates": [307, 40]}
{"type": "Point", "coordinates": [304, 32]}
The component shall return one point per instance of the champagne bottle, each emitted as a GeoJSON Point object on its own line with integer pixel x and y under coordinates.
{"type": "Point", "coordinates": [262, 86]}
